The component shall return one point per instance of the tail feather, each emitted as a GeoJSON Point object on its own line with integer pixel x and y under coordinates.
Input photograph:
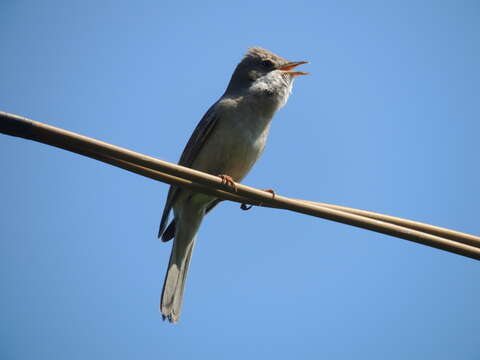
{"type": "Point", "coordinates": [174, 285]}
{"type": "Point", "coordinates": [173, 288]}
{"type": "Point", "coordinates": [169, 232]}
{"type": "Point", "coordinates": [163, 221]}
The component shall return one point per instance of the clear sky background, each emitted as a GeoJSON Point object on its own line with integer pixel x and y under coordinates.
{"type": "Point", "coordinates": [387, 121]}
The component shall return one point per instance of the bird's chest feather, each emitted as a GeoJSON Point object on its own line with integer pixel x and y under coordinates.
{"type": "Point", "coordinates": [237, 144]}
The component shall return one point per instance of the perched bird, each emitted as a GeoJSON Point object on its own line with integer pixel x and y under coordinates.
{"type": "Point", "coordinates": [227, 142]}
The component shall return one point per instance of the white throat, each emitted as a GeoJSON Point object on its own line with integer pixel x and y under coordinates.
{"type": "Point", "coordinates": [272, 89]}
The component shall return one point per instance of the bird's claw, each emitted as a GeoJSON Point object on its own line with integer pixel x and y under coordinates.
{"type": "Point", "coordinates": [249, 206]}
{"type": "Point", "coordinates": [271, 192]}
{"type": "Point", "coordinates": [246, 206]}
{"type": "Point", "coordinates": [228, 181]}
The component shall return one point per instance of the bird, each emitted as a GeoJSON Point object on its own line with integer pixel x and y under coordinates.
{"type": "Point", "coordinates": [227, 142]}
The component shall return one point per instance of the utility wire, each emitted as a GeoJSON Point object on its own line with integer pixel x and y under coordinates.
{"type": "Point", "coordinates": [434, 236]}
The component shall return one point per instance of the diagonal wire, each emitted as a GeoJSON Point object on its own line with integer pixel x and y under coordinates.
{"type": "Point", "coordinates": [414, 225]}
{"type": "Point", "coordinates": [434, 236]}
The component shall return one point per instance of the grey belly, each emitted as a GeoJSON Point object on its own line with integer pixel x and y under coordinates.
{"type": "Point", "coordinates": [232, 156]}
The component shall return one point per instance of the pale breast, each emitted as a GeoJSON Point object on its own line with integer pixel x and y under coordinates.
{"type": "Point", "coordinates": [236, 142]}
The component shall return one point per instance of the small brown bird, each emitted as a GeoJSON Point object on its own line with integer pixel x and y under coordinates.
{"type": "Point", "coordinates": [227, 142]}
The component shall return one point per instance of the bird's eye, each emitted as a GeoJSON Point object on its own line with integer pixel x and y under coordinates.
{"type": "Point", "coordinates": [267, 64]}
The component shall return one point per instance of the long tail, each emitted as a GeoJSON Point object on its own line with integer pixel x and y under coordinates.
{"type": "Point", "coordinates": [172, 293]}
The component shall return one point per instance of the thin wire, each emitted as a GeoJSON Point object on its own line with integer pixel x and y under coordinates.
{"type": "Point", "coordinates": [415, 225]}
{"type": "Point", "coordinates": [441, 238]}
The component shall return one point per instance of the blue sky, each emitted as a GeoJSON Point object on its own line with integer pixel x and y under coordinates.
{"type": "Point", "coordinates": [387, 121]}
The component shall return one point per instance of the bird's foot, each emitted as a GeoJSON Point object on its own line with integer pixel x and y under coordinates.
{"type": "Point", "coordinates": [271, 192]}
{"type": "Point", "coordinates": [246, 207]}
{"type": "Point", "coordinates": [249, 206]}
{"type": "Point", "coordinates": [228, 181]}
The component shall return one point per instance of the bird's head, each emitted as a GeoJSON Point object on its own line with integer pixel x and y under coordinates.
{"type": "Point", "coordinates": [260, 66]}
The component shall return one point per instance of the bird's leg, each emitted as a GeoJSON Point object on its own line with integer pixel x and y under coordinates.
{"type": "Point", "coordinates": [271, 192]}
{"type": "Point", "coordinates": [249, 206]}
{"type": "Point", "coordinates": [227, 180]}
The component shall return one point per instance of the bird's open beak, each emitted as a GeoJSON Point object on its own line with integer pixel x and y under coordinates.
{"type": "Point", "coordinates": [291, 65]}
